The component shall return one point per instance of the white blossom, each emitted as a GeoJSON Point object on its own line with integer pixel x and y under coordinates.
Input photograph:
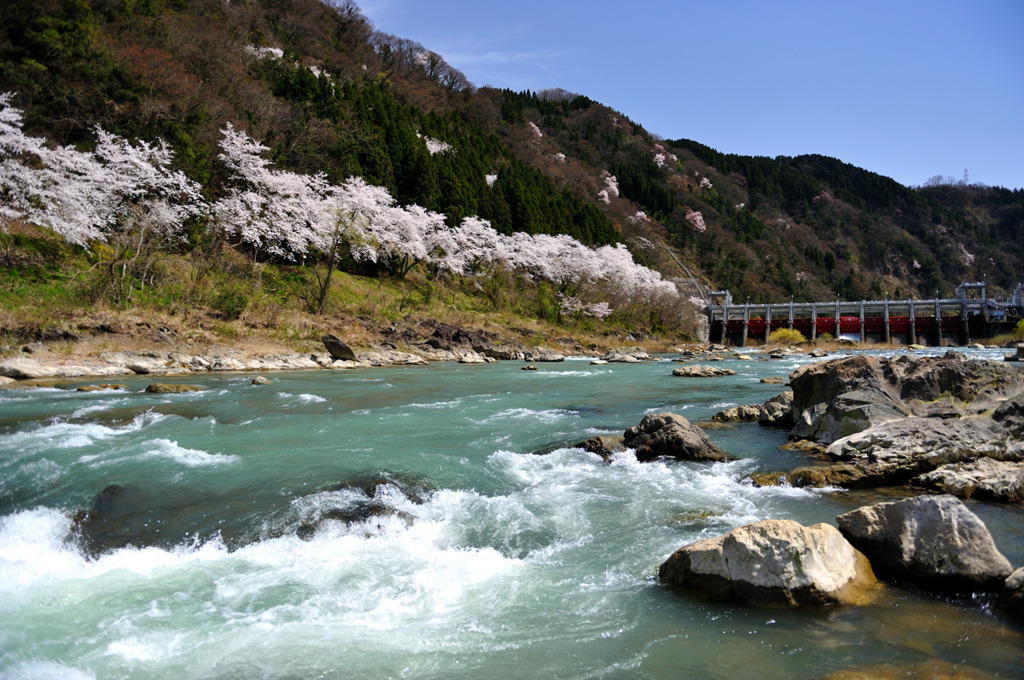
{"type": "Point", "coordinates": [600, 310]}
{"type": "Point", "coordinates": [490, 179]}
{"type": "Point", "coordinates": [263, 52]}
{"type": "Point", "coordinates": [436, 146]}
{"type": "Point", "coordinates": [89, 196]}
{"type": "Point", "coordinates": [611, 187]}
{"type": "Point", "coordinates": [705, 183]}
{"type": "Point", "coordinates": [536, 130]}
{"type": "Point", "coordinates": [283, 213]}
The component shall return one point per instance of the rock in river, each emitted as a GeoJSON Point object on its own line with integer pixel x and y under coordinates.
{"type": "Point", "coordinates": [671, 435]}
{"type": "Point", "coordinates": [701, 372]}
{"type": "Point", "coordinates": [841, 397]}
{"type": "Point", "coordinates": [933, 540]}
{"type": "Point", "coordinates": [167, 388]}
{"type": "Point", "coordinates": [774, 563]}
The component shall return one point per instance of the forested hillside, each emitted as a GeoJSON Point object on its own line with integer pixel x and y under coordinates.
{"type": "Point", "coordinates": [326, 93]}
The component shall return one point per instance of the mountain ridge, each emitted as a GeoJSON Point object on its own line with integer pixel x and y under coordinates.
{"type": "Point", "coordinates": [326, 92]}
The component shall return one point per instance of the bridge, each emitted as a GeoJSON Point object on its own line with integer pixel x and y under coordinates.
{"type": "Point", "coordinates": [936, 322]}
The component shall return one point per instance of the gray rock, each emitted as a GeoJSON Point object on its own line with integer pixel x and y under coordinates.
{"type": "Point", "coordinates": [626, 355]}
{"type": "Point", "coordinates": [337, 348]}
{"type": "Point", "coordinates": [701, 372]}
{"type": "Point", "coordinates": [778, 411]}
{"type": "Point", "coordinates": [145, 366]}
{"type": "Point", "coordinates": [896, 451]}
{"type": "Point", "coordinates": [472, 358]}
{"type": "Point", "coordinates": [259, 380]}
{"type": "Point", "coordinates": [1013, 593]}
{"type": "Point", "coordinates": [604, 445]}
{"type": "Point", "coordinates": [614, 358]}
{"type": "Point", "coordinates": [844, 396]}
{"type": "Point", "coordinates": [503, 353]}
{"type": "Point", "coordinates": [167, 388]}
{"type": "Point", "coordinates": [1011, 415]}
{"type": "Point", "coordinates": [985, 479]}
{"type": "Point", "coordinates": [538, 354]}
{"type": "Point", "coordinates": [774, 563]}
{"type": "Point", "coordinates": [933, 540]}
{"type": "Point", "coordinates": [25, 368]}
{"type": "Point", "coordinates": [671, 435]}
{"type": "Point", "coordinates": [739, 414]}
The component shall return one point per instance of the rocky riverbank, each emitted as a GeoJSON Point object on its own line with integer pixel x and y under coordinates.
{"type": "Point", "coordinates": [939, 424]}
{"type": "Point", "coordinates": [945, 424]}
{"type": "Point", "coordinates": [63, 357]}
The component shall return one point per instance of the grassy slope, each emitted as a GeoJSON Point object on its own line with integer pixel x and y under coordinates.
{"type": "Point", "coordinates": [48, 285]}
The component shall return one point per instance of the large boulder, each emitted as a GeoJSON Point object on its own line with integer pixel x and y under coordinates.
{"type": "Point", "coordinates": [673, 436]}
{"type": "Point", "coordinates": [984, 479]}
{"type": "Point", "coordinates": [841, 397]}
{"type": "Point", "coordinates": [1013, 593]}
{"type": "Point", "coordinates": [976, 385]}
{"type": "Point", "coordinates": [837, 398]}
{"type": "Point", "coordinates": [778, 411]}
{"type": "Point", "coordinates": [338, 348]}
{"type": "Point", "coordinates": [909, 449]}
{"type": "Point", "coordinates": [739, 414]}
{"type": "Point", "coordinates": [774, 563]}
{"type": "Point", "coordinates": [539, 354]}
{"type": "Point", "coordinates": [933, 540]}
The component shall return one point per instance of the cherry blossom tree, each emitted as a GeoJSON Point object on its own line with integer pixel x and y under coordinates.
{"type": "Point", "coordinates": [274, 211]}
{"type": "Point", "coordinates": [695, 218]}
{"type": "Point", "coordinates": [124, 196]}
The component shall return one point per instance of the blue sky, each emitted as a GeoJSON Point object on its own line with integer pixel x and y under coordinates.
{"type": "Point", "coordinates": [907, 89]}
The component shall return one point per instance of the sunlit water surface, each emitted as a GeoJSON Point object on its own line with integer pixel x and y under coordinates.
{"type": "Point", "coordinates": [250, 558]}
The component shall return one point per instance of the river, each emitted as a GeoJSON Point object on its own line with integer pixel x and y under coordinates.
{"type": "Point", "coordinates": [397, 523]}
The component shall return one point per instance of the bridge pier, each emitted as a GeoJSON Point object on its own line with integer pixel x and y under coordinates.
{"type": "Point", "coordinates": [814, 323]}
{"type": "Point", "coordinates": [746, 325]}
{"type": "Point", "coordinates": [886, 327]}
{"type": "Point", "coordinates": [724, 340]}
{"type": "Point", "coordinates": [965, 330]}
{"type": "Point", "coordinates": [912, 328]}
{"type": "Point", "coordinates": [938, 323]}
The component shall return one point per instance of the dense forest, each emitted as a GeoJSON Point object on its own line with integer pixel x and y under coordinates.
{"type": "Point", "coordinates": [327, 93]}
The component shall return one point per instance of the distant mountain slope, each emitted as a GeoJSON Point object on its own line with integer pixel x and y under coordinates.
{"type": "Point", "coordinates": [327, 93]}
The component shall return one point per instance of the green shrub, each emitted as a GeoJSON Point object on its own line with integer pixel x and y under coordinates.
{"type": "Point", "coordinates": [230, 303]}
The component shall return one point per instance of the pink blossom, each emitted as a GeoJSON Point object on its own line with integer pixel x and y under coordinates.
{"type": "Point", "coordinates": [696, 219]}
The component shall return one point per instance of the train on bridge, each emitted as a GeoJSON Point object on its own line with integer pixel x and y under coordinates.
{"type": "Point", "coordinates": [960, 320]}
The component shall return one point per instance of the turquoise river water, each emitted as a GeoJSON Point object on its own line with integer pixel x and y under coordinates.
{"type": "Point", "coordinates": [397, 523]}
